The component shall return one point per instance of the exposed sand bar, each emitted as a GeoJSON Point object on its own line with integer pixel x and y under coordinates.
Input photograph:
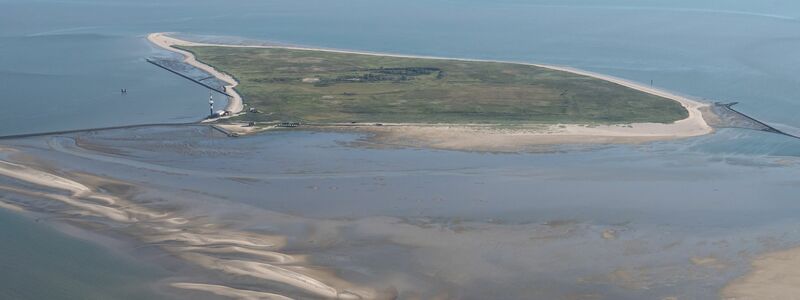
{"type": "Point", "coordinates": [229, 292]}
{"type": "Point", "coordinates": [257, 253]}
{"type": "Point", "coordinates": [41, 178]}
{"type": "Point", "coordinates": [234, 102]}
{"type": "Point", "coordinates": [11, 207]}
{"type": "Point", "coordinates": [514, 139]}
{"type": "Point", "coordinates": [448, 135]}
{"type": "Point", "coordinates": [773, 276]}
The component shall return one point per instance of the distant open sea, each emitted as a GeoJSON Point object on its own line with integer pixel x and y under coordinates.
{"type": "Point", "coordinates": [63, 62]}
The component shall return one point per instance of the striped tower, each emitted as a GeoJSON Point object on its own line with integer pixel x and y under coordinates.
{"type": "Point", "coordinates": [211, 104]}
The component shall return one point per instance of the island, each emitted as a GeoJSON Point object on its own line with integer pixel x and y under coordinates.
{"type": "Point", "coordinates": [438, 102]}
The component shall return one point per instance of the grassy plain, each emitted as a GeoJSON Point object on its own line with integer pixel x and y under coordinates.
{"type": "Point", "coordinates": [324, 86]}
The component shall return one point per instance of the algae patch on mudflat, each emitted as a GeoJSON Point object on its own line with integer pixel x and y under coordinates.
{"type": "Point", "coordinates": [335, 87]}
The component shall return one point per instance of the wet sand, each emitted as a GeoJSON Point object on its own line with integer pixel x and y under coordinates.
{"type": "Point", "coordinates": [11, 207]}
{"type": "Point", "coordinates": [305, 215]}
{"type": "Point", "coordinates": [773, 275]}
{"type": "Point", "coordinates": [199, 244]}
{"type": "Point", "coordinates": [229, 292]}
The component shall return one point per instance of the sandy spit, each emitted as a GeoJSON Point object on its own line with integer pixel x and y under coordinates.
{"type": "Point", "coordinates": [235, 104]}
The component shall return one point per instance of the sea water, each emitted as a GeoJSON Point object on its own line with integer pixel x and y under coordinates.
{"type": "Point", "coordinates": [62, 63]}
{"type": "Point", "coordinates": [38, 262]}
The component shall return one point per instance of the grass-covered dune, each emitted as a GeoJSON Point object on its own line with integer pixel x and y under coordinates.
{"type": "Point", "coordinates": [323, 86]}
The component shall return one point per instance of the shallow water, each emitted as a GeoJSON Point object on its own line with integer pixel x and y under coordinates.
{"type": "Point", "coordinates": [487, 225]}
{"type": "Point", "coordinates": [39, 262]}
{"type": "Point", "coordinates": [83, 52]}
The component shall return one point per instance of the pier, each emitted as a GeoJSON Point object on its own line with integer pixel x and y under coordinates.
{"type": "Point", "coordinates": [189, 78]}
{"type": "Point", "coordinates": [35, 134]}
{"type": "Point", "coordinates": [727, 110]}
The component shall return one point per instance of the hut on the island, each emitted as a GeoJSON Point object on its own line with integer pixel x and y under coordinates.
{"type": "Point", "coordinates": [220, 113]}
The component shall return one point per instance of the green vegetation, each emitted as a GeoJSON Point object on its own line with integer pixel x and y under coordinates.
{"type": "Point", "coordinates": [321, 86]}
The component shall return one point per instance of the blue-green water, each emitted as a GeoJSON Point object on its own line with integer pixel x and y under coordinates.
{"type": "Point", "coordinates": [63, 62]}
{"type": "Point", "coordinates": [38, 262]}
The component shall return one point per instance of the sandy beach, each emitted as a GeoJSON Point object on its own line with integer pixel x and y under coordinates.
{"type": "Point", "coordinates": [483, 137]}
{"type": "Point", "coordinates": [478, 137]}
{"type": "Point", "coordinates": [235, 104]}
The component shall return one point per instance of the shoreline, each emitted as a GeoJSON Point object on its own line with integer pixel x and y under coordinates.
{"type": "Point", "coordinates": [450, 136]}
{"type": "Point", "coordinates": [235, 104]}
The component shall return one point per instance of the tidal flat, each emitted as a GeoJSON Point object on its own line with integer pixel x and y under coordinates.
{"type": "Point", "coordinates": [305, 214]}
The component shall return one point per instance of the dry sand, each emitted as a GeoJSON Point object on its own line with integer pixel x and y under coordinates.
{"type": "Point", "coordinates": [235, 104]}
{"type": "Point", "coordinates": [513, 139]}
{"type": "Point", "coordinates": [774, 276]}
{"type": "Point", "coordinates": [239, 128]}
{"type": "Point", "coordinates": [475, 137]}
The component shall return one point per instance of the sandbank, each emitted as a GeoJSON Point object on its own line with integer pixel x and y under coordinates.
{"type": "Point", "coordinates": [773, 276]}
{"type": "Point", "coordinates": [257, 254]}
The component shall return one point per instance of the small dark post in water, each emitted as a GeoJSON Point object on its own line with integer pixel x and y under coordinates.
{"type": "Point", "coordinates": [651, 82]}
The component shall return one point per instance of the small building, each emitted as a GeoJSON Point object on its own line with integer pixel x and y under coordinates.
{"type": "Point", "coordinates": [288, 124]}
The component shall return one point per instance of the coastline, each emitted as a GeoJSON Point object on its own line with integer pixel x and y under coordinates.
{"type": "Point", "coordinates": [486, 137]}
{"type": "Point", "coordinates": [235, 104]}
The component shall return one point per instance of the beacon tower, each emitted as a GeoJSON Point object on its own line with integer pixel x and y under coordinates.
{"type": "Point", "coordinates": [211, 105]}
